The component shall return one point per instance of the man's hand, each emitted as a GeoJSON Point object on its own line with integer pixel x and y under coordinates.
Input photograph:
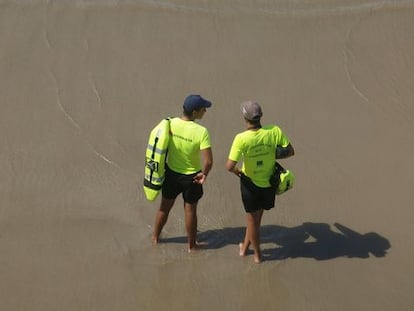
{"type": "Point", "coordinates": [200, 178]}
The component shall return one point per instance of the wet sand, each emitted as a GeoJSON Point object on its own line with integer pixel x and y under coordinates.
{"type": "Point", "coordinates": [83, 82]}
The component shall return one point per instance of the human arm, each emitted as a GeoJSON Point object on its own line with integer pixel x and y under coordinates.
{"type": "Point", "coordinates": [284, 152]}
{"type": "Point", "coordinates": [231, 167]}
{"type": "Point", "coordinates": [235, 155]}
{"type": "Point", "coordinates": [207, 163]}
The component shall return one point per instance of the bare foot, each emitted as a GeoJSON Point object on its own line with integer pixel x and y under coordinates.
{"type": "Point", "coordinates": [154, 240]}
{"type": "Point", "coordinates": [242, 251]}
{"type": "Point", "coordinates": [257, 259]}
{"type": "Point", "coordinates": [197, 246]}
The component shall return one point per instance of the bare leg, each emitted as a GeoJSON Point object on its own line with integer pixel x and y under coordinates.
{"type": "Point", "coordinates": [161, 218]}
{"type": "Point", "coordinates": [253, 235]}
{"type": "Point", "coordinates": [190, 211]}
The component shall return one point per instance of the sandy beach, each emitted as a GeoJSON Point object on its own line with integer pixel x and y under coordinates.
{"type": "Point", "coordinates": [82, 83]}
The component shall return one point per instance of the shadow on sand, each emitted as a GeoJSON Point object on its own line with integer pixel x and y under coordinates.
{"type": "Point", "coordinates": [309, 240]}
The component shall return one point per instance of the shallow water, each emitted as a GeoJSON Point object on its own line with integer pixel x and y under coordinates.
{"type": "Point", "coordinates": [82, 84]}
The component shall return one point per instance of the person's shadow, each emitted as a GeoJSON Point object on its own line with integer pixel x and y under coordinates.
{"type": "Point", "coordinates": [309, 240]}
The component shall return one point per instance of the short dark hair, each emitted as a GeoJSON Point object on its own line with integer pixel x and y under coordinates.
{"type": "Point", "coordinates": [187, 113]}
{"type": "Point", "coordinates": [255, 123]}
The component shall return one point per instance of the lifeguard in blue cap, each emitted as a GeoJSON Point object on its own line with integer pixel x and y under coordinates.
{"type": "Point", "coordinates": [188, 163]}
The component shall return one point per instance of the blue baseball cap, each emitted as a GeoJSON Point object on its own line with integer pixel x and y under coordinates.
{"type": "Point", "coordinates": [195, 102]}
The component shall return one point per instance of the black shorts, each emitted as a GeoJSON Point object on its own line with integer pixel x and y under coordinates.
{"type": "Point", "coordinates": [255, 198]}
{"type": "Point", "coordinates": [176, 183]}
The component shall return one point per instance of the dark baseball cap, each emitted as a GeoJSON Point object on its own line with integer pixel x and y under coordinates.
{"type": "Point", "coordinates": [195, 102]}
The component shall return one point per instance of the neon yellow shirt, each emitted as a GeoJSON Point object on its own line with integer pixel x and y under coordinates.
{"type": "Point", "coordinates": [258, 150]}
{"type": "Point", "coordinates": [187, 139]}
